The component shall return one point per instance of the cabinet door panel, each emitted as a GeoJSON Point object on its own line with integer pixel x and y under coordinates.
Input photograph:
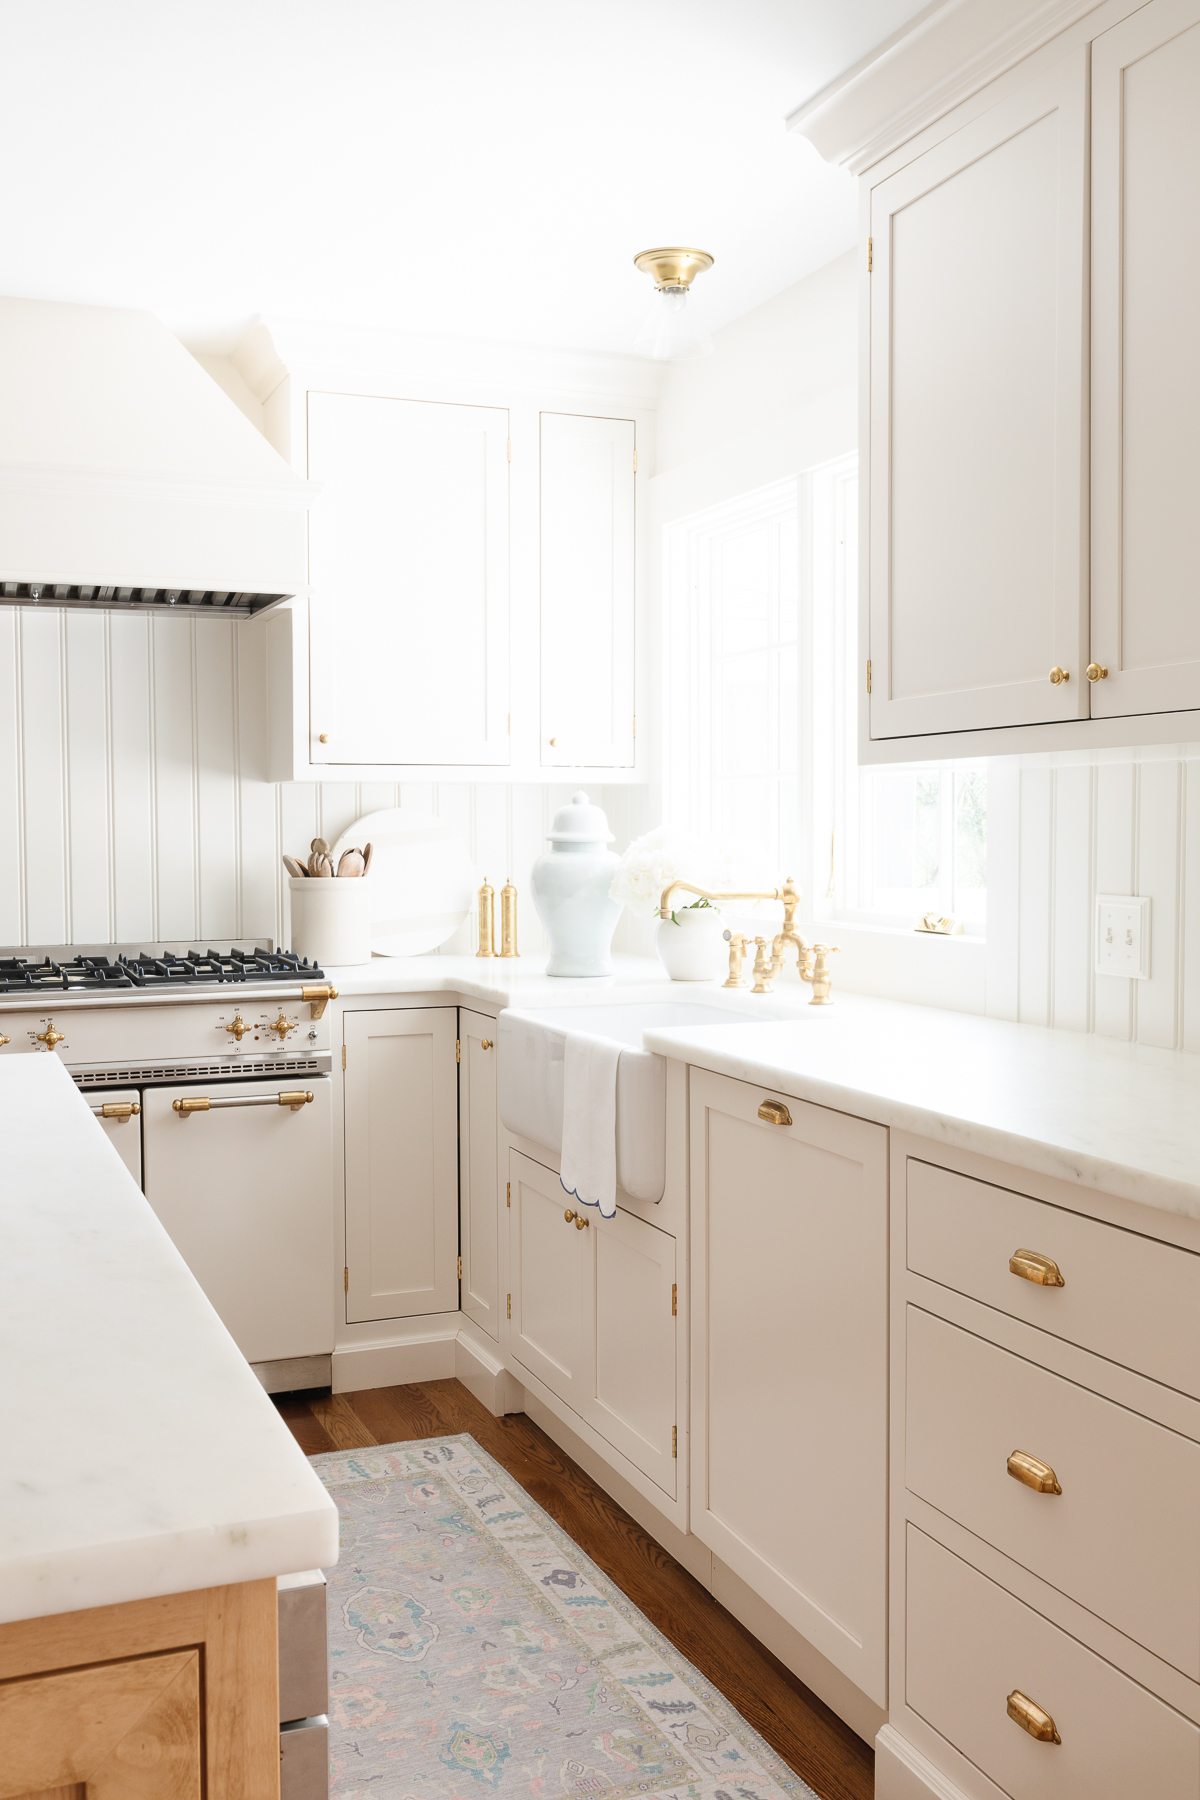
{"type": "Point", "coordinates": [478, 1168]}
{"type": "Point", "coordinates": [408, 564]}
{"type": "Point", "coordinates": [401, 1163]}
{"type": "Point", "coordinates": [550, 1266]}
{"type": "Point", "coordinates": [632, 1401]}
{"type": "Point", "coordinates": [977, 565]}
{"type": "Point", "coordinates": [789, 1363]}
{"type": "Point", "coordinates": [1146, 360]}
{"type": "Point", "coordinates": [588, 587]}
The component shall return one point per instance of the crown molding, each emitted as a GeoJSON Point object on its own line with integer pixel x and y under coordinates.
{"type": "Point", "coordinates": [939, 59]}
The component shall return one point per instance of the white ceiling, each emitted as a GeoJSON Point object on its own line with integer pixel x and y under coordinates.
{"type": "Point", "coordinates": [480, 168]}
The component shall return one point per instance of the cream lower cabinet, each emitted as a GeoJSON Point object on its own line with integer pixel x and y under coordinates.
{"type": "Point", "coordinates": [789, 1376]}
{"type": "Point", "coordinates": [478, 1192]}
{"type": "Point", "coordinates": [401, 1163]}
{"type": "Point", "coordinates": [593, 1317]}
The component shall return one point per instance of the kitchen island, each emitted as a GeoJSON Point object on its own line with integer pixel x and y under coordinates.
{"type": "Point", "coordinates": [149, 1493]}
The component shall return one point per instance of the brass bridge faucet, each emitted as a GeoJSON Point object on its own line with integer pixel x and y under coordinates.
{"type": "Point", "coordinates": [812, 960]}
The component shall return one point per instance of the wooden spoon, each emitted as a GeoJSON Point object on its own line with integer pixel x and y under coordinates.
{"type": "Point", "coordinates": [367, 860]}
{"type": "Point", "coordinates": [351, 862]}
{"type": "Point", "coordinates": [293, 867]}
{"type": "Point", "coordinates": [320, 862]}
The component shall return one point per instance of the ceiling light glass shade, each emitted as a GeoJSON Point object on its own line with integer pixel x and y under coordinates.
{"type": "Point", "coordinates": [672, 330]}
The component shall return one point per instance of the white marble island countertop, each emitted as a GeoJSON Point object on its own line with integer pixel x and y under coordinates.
{"type": "Point", "coordinates": [1121, 1119]}
{"type": "Point", "coordinates": [141, 1457]}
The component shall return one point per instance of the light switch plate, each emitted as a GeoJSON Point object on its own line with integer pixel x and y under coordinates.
{"type": "Point", "coordinates": [1123, 936]}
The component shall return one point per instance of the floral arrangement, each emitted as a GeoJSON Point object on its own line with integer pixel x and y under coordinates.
{"type": "Point", "coordinates": [662, 856]}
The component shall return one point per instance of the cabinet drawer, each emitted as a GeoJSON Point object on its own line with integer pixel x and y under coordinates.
{"type": "Point", "coordinates": [1120, 1538]}
{"type": "Point", "coordinates": [1127, 1297]}
{"type": "Point", "coordinates": [970, 1645]}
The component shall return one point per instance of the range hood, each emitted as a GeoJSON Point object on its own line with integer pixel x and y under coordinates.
{"type": "Point", "coordinates": [128, 478]}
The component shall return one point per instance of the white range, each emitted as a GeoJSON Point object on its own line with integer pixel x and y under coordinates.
{"type": "Point", "coordinates": [210, 1072]}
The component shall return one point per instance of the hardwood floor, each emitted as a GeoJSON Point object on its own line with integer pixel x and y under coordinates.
{"type": "Point", "coordinates": [810, 1739]}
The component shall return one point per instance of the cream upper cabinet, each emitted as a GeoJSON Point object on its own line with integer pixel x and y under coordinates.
{"type": "Point", "coordinates": [408, 569]}
{"type": "Point", "coordinates": [1145, 360]}
{"type": "Point", "coordinates": [977, 530]}
{"type": "Point", "coordinates": [588, 585]}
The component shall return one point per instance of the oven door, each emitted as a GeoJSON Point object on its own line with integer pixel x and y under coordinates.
{"type": "Point", "coordinates": [244, 1185]}
{"type": "Point", "coordinates": [118, 1115]}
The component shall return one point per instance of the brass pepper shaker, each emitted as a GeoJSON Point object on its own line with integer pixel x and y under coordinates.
{"type": "Point", "coordinates": [487, 920]}
{"type": "Point", "coordinates": [508, 919]}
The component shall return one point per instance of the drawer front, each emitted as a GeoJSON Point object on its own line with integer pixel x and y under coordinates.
{"type": "Point", "coordinates": [1120, 1538]}
{"type": "Point", "coordinates": [1129, 1298]}
{"type": "Point", "coordinates": [970, 1645]}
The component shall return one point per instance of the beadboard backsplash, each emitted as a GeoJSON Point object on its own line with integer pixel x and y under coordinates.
{"type": "Point", "coordinates": [132, 800]}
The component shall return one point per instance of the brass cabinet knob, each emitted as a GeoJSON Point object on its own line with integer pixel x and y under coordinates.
{"type": "Point", "coordinates": [281, 1026]}
{"type": "Point", "coordinates": [1096, 672]}
{"type": "Point", "coordinates": [774, 1112]}
{"type": "Point", "coordinates": [1058, 676]}
{"type": "Point", "coordinates": [486, 1043]}
{"type": "Point", "coordinates": [1030, 1717]}
{"type": "Point", "coordinates": [580, 1222]}
{"type": "Point", "coordinates": [1031, 1266]}
{"type": "Point", "coordinates": [323, 738]}
{"type": "Point", "coordinates": [553, 742]}
{"type": "Point", "coordinates": [49, 1037]}
{"type": "Point", "coordinates": [239, 1028]}
{"type": "Point", "coordinates": [1034, 1474]}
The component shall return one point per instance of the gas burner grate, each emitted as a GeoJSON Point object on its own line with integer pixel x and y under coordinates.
{"type": "Point", "coordinates": [196, 968]}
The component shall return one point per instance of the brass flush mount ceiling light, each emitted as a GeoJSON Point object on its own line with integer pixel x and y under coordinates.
{"type": "Point", "coordinates": [671, 329]}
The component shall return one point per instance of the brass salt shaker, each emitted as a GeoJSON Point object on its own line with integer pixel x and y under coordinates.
{"type": "Point", "coordinates": [508, 919]}
{"type": "Point", "coordinates": [487, 920]}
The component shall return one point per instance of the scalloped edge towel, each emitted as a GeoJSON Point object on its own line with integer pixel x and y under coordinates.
{"type": "Point", "coordinates": [588, 1166]}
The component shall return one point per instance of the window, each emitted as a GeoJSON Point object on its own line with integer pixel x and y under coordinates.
{"type": "Point", "coordinates": [761, 684]}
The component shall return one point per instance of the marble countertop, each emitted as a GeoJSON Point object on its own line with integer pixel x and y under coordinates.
{"type": "Point", "coordinates": [141, 1456]}
{"type": "Point", "coordinates": [1118, 1118]}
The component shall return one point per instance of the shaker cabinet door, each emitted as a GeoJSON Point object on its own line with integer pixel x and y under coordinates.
{"type": "Point", "coordinates": [478, 1168]}
{"type": "Point", "coordinates": [587, 591]}
{"type": "Point", "coordinates": [978, 572]}
{"type": "Point", "coordinates": [1145, 360]}
{"type": "Point", "coordinates": [550, 1270]}
{"type": "Point", "coordinates": [408, 567]}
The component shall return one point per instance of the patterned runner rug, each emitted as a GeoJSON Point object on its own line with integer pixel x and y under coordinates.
{"type": "Point", "coordinates": [475, 1650]}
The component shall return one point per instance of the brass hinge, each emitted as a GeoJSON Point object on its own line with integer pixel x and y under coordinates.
{"type": "Point", "coordinates": [458, 1049]}
{"type": "Point", "coordinates": [343, 1056]}
{"type": "Point", "coordinates": [868, 674]}
{"type": "Point", "coordinates": [510, 1306]}
{"type": "Point", "coordinates": [635, 462]}
{"type": "Point", "coordinates": [635, 724]}
{"type": "Point", "coordinates": [870, 254]}
{"type": "Point", "coordinates": [674, 1298]}
{"type": "Point", "coordinates": [460, 1268]}
{"type": "Point", "coordinates": [674, 1440]}
{"type": "Point", "coordinates": [510, 449]}
{"type": "Point", "coordinates": [510, 724]}
{"type": "Point", "coordinates": [345, 1281]}
{"type": "Point", "coordinates": [508, 1193]}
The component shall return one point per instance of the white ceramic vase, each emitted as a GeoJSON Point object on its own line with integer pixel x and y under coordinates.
{"type": "Point", "coordinates": [691, 950]}
{"type": "Point", "coordinates": [570, 884]}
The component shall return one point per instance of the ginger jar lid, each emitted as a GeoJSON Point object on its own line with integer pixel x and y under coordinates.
{"type": "Point", "coordinates": [580, 823]}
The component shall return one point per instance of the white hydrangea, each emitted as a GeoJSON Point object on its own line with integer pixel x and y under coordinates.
{"type": "Point", "coordinates": [663, 855]}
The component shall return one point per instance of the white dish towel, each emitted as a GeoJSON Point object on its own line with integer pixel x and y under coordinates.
{"type": "Point", "coordinates": [588, 1169]}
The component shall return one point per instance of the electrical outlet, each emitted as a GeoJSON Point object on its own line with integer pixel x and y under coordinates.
{"type": "Point", "coordinates": [1123, 936]}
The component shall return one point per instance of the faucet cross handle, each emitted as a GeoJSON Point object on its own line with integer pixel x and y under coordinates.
{"type": "Point", "coordinates": [762, 968]}
{"type": "Point", "coordinates": [738, 948]}
{"type": "Point", "coordinates": [816, 971]}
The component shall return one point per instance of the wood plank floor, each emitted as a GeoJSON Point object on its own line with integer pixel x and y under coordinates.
{"type": "Point", "coordinates": [811, 1739]}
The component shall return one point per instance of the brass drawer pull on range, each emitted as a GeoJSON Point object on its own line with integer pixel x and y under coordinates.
{"type": "Point", "coordinates": [1036, 1475]}
{"type": "Point", "coordinates": [1031, 1266]}
{"type": "Point", "coordinates": [1058, 676]}
{"type": "Point", "coordinates": [1031, 1718]}
{"type": "Point", "coordinates": [774, 1112]}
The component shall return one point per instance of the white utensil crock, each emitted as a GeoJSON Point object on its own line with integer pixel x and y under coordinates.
{"type": "Point", "coordinates": [570, 885]}
{"type": "Point", "coordinates": [691, 950]}
{"type": "Point", "coordinates": [331, 921]}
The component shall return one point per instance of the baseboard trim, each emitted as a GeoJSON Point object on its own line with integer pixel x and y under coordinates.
{"type": "Point", "coordinates": [478, 1366]}
{"type": "Point", "coordinates": [428, 1358]}
{"type": "Point", "coordinates": [902, 1773]}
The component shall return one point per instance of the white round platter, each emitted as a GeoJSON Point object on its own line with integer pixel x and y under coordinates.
{"type": "Point", "coordinates": [422, 881]}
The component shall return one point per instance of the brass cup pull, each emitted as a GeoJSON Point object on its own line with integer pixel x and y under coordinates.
{"type": "Point", "coordinates": [774, 1112]}
{"type": "Point", "coordinates": [1058, 676]}
{"type": "Point", "coordinates": [1096, 672]}
{"type": "Point", "coordinates": [580, 1222]}
{"type": "Point", "coordinates": [1036, 1475]}
{"type": "Point", "coordinates": [1031, 1266]}
{"type": "Point", "coordinates": [486, 1043]}
{"type": "Point", "coordinates": [1030, 1717]}
{"type": "Point", "coordinates": [200, 1104]}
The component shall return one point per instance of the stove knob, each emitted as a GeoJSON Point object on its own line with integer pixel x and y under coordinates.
{"type": "Point", "coordinates": [49, 1037]}
{"type": "Point", "coordinates": [239, 1028]}
{"type": "Point", "coordinates": [4, 1040]}
{"type": "Point", "coordinates": [281, 1026]}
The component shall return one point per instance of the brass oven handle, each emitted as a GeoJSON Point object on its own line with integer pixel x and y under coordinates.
{"type": "Point", "coordinates": [1030, 1265]}
{"type": "Point", "coordinates": [295, 1099]}
{"type": "Point", "coordinates": [199, 1104]}
{"type": "Point", "coordinates": [1030, 1717]}
{"type": "Point", "coordinates": [317, 994]}
{"type": "Point", "coordinates": [774, 1112]}
{"type": "Point", "coordinates": [1036, 1475]}
{"type": "Point", "coordinates": [580, 1222]}
{"type": "Point", "coordinates": [117, 1109]}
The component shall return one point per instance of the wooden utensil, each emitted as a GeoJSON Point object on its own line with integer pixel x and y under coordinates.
{"type": "Point", "coordinates": [293, 867]}
{"type": "Point", "coordinates": [352, 862]}
{"type": "Point", "coordinates": [367, 860]}
{"type": "Point", "coordinates": [320, 862]}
